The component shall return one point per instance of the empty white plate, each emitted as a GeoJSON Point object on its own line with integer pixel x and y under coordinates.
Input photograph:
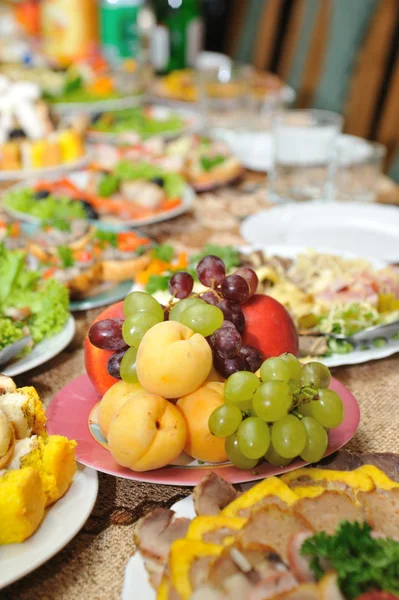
{"type": "Point", "coordinates": [364, 229]}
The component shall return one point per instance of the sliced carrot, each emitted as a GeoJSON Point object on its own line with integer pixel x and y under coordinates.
{"type": "Point", "coordinates": [15, 229]}
{"type": "Point", "coordinates": [182, 261]}
{"type": "Point", "coordinates": [83, 255]}
{"type": "Point", "coordinates": [169, 204]}
{"type": "Point", "coordinates": [48, 273]}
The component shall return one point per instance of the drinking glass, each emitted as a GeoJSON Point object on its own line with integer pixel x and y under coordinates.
{"type": "Point", "coordinates": [358, 177]}
{"type": "Point", "coordinates": [304, 155]}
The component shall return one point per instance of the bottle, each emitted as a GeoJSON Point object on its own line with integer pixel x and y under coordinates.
{"type": "Point", "coordinates": [178, 36]}
{"type": "Point", "coordinates": [69, 29]}
{"type": "Point", "coordinates": [120, 31]}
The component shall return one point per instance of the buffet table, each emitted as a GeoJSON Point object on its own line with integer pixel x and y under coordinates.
{"type": "Point", "coordinates": [92, 565]}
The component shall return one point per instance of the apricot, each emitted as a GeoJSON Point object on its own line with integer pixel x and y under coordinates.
{"type": "Point", "coordinates": [197, 408]}
{"type": "Point", "coordinates": [172, 360]}
{"type": "Point", "coordinates": [113, 400]}
{"type": "Point", "coordinates": [214, 376]}
{"type": "Point", "coordinates": [96, 359]}
{"type": "Point", "coordinates": [147, 433]}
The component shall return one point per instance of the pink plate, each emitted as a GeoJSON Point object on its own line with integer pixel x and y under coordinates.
{"type": "Point", "coordinates": [71, 411]}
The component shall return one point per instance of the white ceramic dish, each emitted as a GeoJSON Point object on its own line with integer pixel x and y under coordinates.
{"type": "Point", "coordinates": [62, 522]}
{"type": "Point", "coordinates": [56, 171]}
{"type": "Point", "coordinates": [254, 149]}
{"type": "Point", "coordinates": [362, 229]}
{"type": "Point", "coordinates": [43, 352]}
{"type": "Point", "coordinates": [80, 180]}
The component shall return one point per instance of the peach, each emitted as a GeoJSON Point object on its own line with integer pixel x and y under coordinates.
{"type": "Point", "coordinates": [197, 408]}
{"type": "Point", "coordinates": [113, 400]}
{"type": "Point", "coordinates": [147, 433]}
{"type": "Point", "coordinates": [96, 359]}
{"type": "Point", "coordinates": [172, 360]}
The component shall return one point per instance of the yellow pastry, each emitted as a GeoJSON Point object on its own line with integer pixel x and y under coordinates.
{"type": "Point", "coordinates": [22, 504]}
{"type": "Point", "coordinates": [25, 411]}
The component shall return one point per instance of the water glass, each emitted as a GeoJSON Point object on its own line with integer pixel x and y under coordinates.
{"type": "Point", "coordinates": [358, 176]}
{"type": "Point", "coordinates": [304, 155]}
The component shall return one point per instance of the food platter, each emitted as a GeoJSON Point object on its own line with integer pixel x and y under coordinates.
{"type": "Point", "coordinates": [67, 108]}
{"type": "Point", "coordinates": [81, 179]}
{"type": "Point", "coordinates": [44, 351]}
{"type": "Point", "coordinates": [71, 410]}
{"type": "Point", "coordinates": [63, 521]}
{"type": "Point", "coordinates": [342, 227]}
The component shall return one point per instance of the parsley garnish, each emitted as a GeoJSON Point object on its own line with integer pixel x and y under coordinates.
{"type": "Point", "coordinates": [108, 184]}
{"type": "Point", "coordinates": [361, 562]}
{"type": "Point", "coordinates": [107, 236]}
{"type": "Point", "coordinates": [157, 283]}
{"type": "Point", "coordinates": [209, 162]}
{"type": "Point", "coordinates": [164, 252]}
{"type": "Point", "coordinates": [66, 256]}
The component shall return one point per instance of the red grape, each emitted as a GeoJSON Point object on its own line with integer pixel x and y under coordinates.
{"type": "Point", "coordinates": [250, 277]}
{"type": "Point", "coordinates": [107, 334]}
{"type": "Point", "coordinates": [235, 288]}
{"type": "Point", "coordinates": [228, 366]}
{"type": "Point", "coordinates": [226, 342]}
{"type": "Point", "coordinates": [228, 324]}
{"type": "Point", "coordinates": [114, 363]}
{"type": "Point", "coordinates": [211, 271]}
{"type": "Point", "coordinates": [181, 285]}
{"type": "Point", "coordinates": [233, 313]}
{"type": "Point", "coordinates": [210, 298]}
{"type": "Point", "coordinates": [253, 357]}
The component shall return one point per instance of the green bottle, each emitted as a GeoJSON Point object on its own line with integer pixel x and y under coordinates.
{"type": "Point", "coordinates": [119, 31]}
{"type": "Point", "coordinates": [178, 36]}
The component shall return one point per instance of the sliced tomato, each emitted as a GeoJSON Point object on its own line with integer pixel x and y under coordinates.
{"type": "Point", "coordinates": [83, 256]}
{"type": "Point", "coordinates": [48, 273]}
{"type": "Point", "coordinates": [128, 241]}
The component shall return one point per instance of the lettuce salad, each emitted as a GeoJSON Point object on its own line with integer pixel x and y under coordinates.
{"type": "Point", "coordinates": [25, 200]}
{"type": "Point", "coordinates": [28, 304]}
{"type": "Point", "coordinates": [136, 120]}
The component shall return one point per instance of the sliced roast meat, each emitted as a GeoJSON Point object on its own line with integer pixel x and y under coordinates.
{"type": "Point", "coordinates": [273, 586]}
{"type": "Point", "coordinates": [272, 527]}
{"type": "Point", "coordinates": [217, 536]}
{"type": "Point", "coordinates": [325, 512]}
{"type": "Point", "coordinates": [207, 592]}
{"type": "Point", "coordinates": [155, 533]}
{"type": "Point", "coordinates": [382, 510]}
{"type": "Point", "coordinates": [305, 591]}
{"type": "Point", "coordinates": [146, 194]}
{"type": "Point", "coordinates": [299, 564]}
{"type": "Point", "coordinates": [199, 571]}
{"type": "Point", "coordinates": [212, 495]}
{"type": "Point", "coordinates": [266, 501]}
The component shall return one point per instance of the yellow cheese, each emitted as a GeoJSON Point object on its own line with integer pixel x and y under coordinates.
{"type": "Point", "coordinates": [202, 525]}
{"type": "Point", "coordinates": [308, 491]}
{"type": "Point", "coordinates": [268, 487]}
{"type": "Point", "coordinates": [163, 590]}
{"type": "Point", "coordinates": [54, 458]}
{"type": "Point", "coordinates": [22, 504]}
{"type": "Point", "coordinates": [71, 145]}
{"type": "Point", "coordinates": [379, 478]}
{"type": "Point", "coordinates": [353, 479]}
{"type": "Point", "coordinates": [181, 557]}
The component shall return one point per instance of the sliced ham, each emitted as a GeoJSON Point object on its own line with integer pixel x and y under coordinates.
{"type": "Point", "coordinates": [273, 586]}
{"type": "Point", "coordinates": [212, 495]}
{"type": "Point", "coordinates": [299, 564]}
{"type": "Point", "coordinates": [327, 511]}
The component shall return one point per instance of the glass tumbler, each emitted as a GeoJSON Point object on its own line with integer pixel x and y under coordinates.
{"type": "Point", "coordinates": [304, 155]}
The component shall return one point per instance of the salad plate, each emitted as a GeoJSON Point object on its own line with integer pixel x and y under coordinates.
{"type": "Point", "coordinates": [72, 413]}
{"type": "Point", "coordinates": [56, 171]}
{"type": "Point", "coordinates": [343, 227]}
{"type": "Point", "coordinates": [43, 351]}
{"type": "Point", "coordinates": [63, 521]}
{"type": "Point", "coordinates": [110, 104]}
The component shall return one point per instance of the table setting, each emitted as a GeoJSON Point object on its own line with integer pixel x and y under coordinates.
{"type": "Point", "coordinates": [199, 337]}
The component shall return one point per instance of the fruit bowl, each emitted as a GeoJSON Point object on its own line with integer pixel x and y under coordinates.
{"type": "Point", "coordinates": [71, 413]}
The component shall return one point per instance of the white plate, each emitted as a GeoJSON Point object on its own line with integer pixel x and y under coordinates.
{"type": "Point", "coordinates": [62, 522]}
{"type": "Point", "coordinates": [56, 171]}
{"type": "Point", "coordinates": [80, 180]}
{"type": "Point", "coordinates": [363, 229]}
{"type": "Point", "coordinates": [67, 108]}
{"type": "Point", "coordinates": [41, 353]}
{"type": "Point", "coordinates": [254, 149]}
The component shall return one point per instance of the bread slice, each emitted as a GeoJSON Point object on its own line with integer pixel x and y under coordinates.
{"type": "Point", "coordinates": [382, 511]}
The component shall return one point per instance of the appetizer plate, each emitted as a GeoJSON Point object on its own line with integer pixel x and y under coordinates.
{"type": "Point", "coordinates": [43, 351]}
{"type": "Point", "coordinates": [22, 174]}
{"type": "Point", "coordinates": [342, 227]}
{"type": "Point", "coordinates": [192, 123]}
{"type": "Point", "coordinates": [108, 221]}
{"type": "Point", "coordinates": [254, 149]}
{"type": "Point", "coordinates": [62, 522]}
{"type": "Point", "coordinates": [67, 108]}
{"type": "Point", "coordinates": [72, 413]}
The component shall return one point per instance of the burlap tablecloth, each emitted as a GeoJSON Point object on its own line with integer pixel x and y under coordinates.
{"type": "Point", "coordinates": [92, 565]}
